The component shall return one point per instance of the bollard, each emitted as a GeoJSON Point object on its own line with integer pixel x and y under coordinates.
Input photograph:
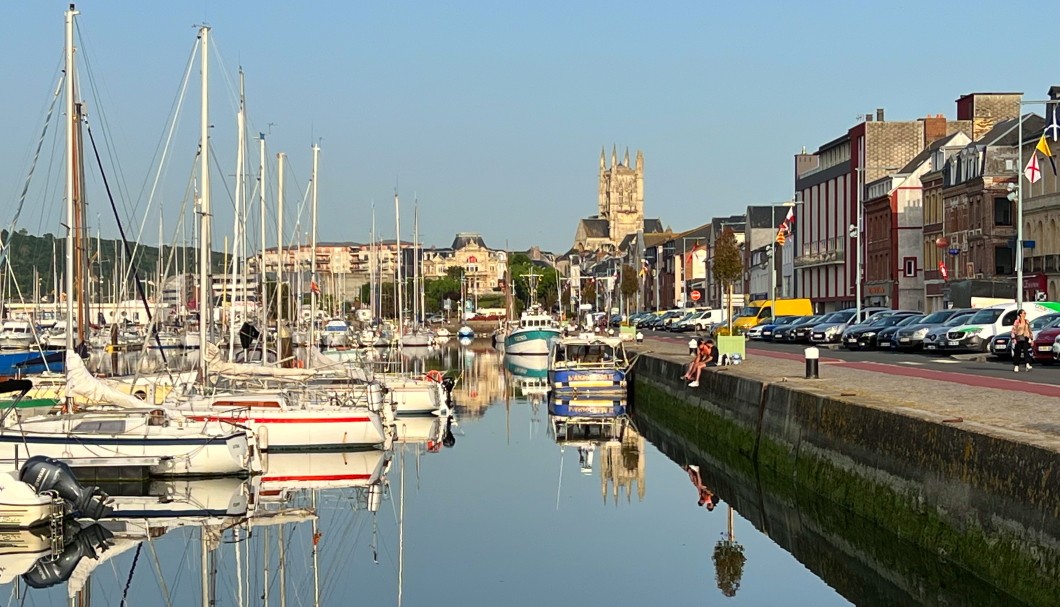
{"type": "Point", "coordinates": [812, 360]}
{"type": "Point", "coordinates": [640, 337]}
{"type": "Point", "coordinates": [692, 345]}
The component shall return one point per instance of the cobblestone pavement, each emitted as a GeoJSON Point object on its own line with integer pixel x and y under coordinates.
{"type": "Point", "coordinates": [1008, 410]}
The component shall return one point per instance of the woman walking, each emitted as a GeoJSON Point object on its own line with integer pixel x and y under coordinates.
{"type": "Point", "coordinates": [1021, 337]}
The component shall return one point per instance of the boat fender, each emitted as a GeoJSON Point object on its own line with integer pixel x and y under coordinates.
{"type": "Point", "coordinates": [47, 474]}
{"type": "Point", "coordinates": [434, 375]}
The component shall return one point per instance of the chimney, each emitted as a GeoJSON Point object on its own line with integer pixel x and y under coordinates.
{"type": "Point", "coordinates": [879, 114]}
{"type": "Point", "coordinates": [868, 117]}
{"type": "Point", "coordinates": [934, 128]}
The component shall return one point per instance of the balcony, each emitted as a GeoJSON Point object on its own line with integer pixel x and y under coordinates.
{"type": "Point", "coordinates": [823, 253]}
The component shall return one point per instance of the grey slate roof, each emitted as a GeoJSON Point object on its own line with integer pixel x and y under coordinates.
{"type": "Point", "coordinates": [464, 239]}
{"type": "Point", "coordinates": [596, 227]}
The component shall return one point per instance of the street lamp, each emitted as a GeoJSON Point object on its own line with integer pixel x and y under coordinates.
{"type": "Point", "coordinates": [1019, 194]}
{"type": "Point", "coordinates": [855, 232]}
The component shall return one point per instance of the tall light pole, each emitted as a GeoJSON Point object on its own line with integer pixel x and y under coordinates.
{"type": "Point", "coordinates": [855, 232]}
{"type": "Point", "coordinates": [1019, 194]}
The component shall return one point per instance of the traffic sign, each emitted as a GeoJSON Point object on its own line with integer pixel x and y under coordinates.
{"type": "Point", "coordinates": [695, 295]}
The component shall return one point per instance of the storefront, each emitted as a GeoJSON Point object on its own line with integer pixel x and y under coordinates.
{"type": "Point", "coordinates": [1036, 287]}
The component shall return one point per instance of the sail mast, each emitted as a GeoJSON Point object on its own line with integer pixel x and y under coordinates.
{"type": "Point", "coordinates": [71, 169]}
{"type": "Point", "coordinates": [280, 158]}
{"type": "Point", "coordinates": [237, 240]}
{"type": "Point", "coordinates": [313, 286]}
{"type": "Point", "coordinates": [205, 239]}
{"type": "Point", "coordinates": [263, 300]}
{"type": "Point", "coordinates": [400, 311]}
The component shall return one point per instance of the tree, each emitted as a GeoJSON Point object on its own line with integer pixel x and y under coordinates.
{"type": "Point", "coordinates": [728, 266]}
{"type": "Point", "coordinates": [589, 293]}
{"type": "Point", "coordinates": [729, 560]}
{"type": "Point", "coordinates": [629, 284]}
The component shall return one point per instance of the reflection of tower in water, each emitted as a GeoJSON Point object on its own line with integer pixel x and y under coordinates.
{"type": "Point", "coordinates": [481, 381]}
{"type": "Point", "coordinates": [622, 466]}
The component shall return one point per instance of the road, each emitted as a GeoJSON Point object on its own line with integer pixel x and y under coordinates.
{"type": "Point", "coordinates": [979, 372]}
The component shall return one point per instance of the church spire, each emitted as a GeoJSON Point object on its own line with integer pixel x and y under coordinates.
{"type": "Point", "coordinates": [602, 167]}
{"type": "Point", "coordinates": [625, 161]}
{"type": "Point", "coordinates": [614, 156]}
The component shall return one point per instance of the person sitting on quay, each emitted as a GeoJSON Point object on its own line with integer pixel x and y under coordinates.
{"type": "Point", "coordinates": [707, 356]}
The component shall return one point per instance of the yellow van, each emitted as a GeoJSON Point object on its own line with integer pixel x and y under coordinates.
{"type": "Point", "coordinates": [760, 311]}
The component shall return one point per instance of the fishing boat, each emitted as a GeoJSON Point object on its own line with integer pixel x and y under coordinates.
{"type": "Point", "coordinates": [588, 365]}
{"type": "Point", "coordinates": [535, 335]}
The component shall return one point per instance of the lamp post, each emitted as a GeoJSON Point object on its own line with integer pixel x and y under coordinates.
{"type": "Point", "coordinates": [855, 232]}
{"type": "Point", "coordinates": [1019, 194]}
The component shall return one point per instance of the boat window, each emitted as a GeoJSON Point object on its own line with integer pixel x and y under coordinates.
{"type": "Point", "coordinates": [110, 426]}
{"type": "Point", "coordinates": [247, 404]}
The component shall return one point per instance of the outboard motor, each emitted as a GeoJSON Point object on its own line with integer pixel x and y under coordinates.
{"type": "Point", "coordinates": [48, 572]}
{"type": "Point", "coordinates": [448, 383]}
{"type": "Point", "coordinates": [448, 439]}
{"type": "Point", "coordinates": [47, 474]}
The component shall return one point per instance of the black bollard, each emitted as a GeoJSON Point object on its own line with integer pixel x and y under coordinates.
{"type": "Point", "coordinates": [812, 361]}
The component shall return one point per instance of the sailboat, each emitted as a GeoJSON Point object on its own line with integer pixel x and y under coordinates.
{"type": "Point", "coordinates": [125, 433]}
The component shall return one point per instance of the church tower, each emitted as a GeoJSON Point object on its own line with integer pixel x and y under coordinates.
{"type": "Point", "coordinates": [621, 195]}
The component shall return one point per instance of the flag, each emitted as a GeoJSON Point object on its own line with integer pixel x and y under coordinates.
{"type": "Point", "coordinates": [692, 252]}
{"type": "Point", "coordinates": [1033, 172]}
{"type": "Point", "coordinates": [942, 270]}
{"type": "Point", "coordinates": [314, 288]}
{"type": "Point", "coordinates": [1054, 126]}
{"type": "Point", "coordinates": [1043, 147]}
{"type": "Point", "coordinates": [786, 226]}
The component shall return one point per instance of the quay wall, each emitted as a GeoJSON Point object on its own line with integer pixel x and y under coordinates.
{"type": "Point", "coordinates": [974, 496]}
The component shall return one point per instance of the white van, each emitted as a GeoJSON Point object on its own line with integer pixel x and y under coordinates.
{"type": "Point", "coordinates": [708, 318]}
{"type": "Point", "coordinates": [976, 333]}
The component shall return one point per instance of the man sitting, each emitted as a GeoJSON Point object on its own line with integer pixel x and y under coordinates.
{"type": "Point", "coordinates": [706, 356]}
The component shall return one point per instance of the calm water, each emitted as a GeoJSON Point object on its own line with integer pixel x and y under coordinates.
{"type": "Point", "coordinates": [507, 516]}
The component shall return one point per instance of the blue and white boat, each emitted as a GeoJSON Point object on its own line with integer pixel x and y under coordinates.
{"type": "Point", "coordinates": [465, 332]}
{"type": "Point", "coordinates": [536, 333]}
{"type": "Point", "coordinates": [588, 365]}
{"type": "Point", "coordinates": [594, 407]}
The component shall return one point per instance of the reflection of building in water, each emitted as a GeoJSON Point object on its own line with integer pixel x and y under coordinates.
{"type": "Point", "coordinates": [614, 443]}
{"type": "Point", "coordinates": [622, 466]}
{"type": "Point", "coordinates": [481, 380]}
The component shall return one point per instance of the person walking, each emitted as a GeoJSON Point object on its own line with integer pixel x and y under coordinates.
{"type": "Point", "coordinates": [1021, 337]}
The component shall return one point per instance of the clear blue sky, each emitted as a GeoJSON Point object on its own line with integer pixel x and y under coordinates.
{"type": "Point", "coordinates": [494, 113]}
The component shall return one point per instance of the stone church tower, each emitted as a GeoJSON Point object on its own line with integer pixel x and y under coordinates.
{"type": "Point", "coordinates": [621, 200]}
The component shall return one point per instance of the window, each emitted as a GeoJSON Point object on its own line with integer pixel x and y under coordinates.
{"type": "Point", "coordinates": [910, 267]}
{"type": "Point", "coordinates": [1002, 211]}
{"type": "Point", "coordinates": [1009, 318]}
{"type": "Point", "coordinates": [1003, 261]}
{"type": "Point", "coordinates": [116, 426]}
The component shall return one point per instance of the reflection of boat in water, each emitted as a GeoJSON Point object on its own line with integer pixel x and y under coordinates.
{"type": "Point", "coordinates": [611, 442]}
{"type": "Point", "coordinates": [529, 374]}
{"type": "Point", "coordinates": [588, 364]}
{"type": "Point", "coordinates": [330, 470]}
{"type": "Point", "coordinates": [586, 406]}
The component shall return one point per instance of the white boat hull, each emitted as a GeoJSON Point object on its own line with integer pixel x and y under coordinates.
{"type": "Point", "coordinates": [317, 429]}
{"type": "Point", "coordinates": [322, 470]}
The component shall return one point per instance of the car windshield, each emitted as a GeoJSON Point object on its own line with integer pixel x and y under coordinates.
{"type": "Point", "coordinates": [986, 316]}
{"type": "Point", "coordinates": [1044, 321]}
{"type": "Point", "coordinates": [936, 318]}
{"type": "Point", "coordinates": [751, 311]}
{"type": "Point", "coordinates": [911, 320]}
{"type": "Point", "coordinates": [957, 321]}
{"type": "Point", "coordinates": [785, 320]}
{"type": "Point", "coordinates": [843, 316]}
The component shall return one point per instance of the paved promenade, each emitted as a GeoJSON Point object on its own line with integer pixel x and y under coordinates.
{"type": "Point", "coordinates": [1017, 409]}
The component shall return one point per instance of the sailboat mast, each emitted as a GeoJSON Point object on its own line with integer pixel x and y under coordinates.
{"type": "Point", "coordinates": [263, 299]}
{"type": "Point", "coordinates": [313, 287]}
{"type": "Point", "coordinates": [373, 268]}
{"type": "Point", "coordinates": [205, 240]}
{"type": "Point", "coordinates": [241, 202]}
{"type": "Point", "coordinates": [71, 169]}
{"type": "Point", "coordinates": [417, 312]}
{"type": "Point", "coordinates": [280, 158]}
{"type": "Point", "coordinates": [400, 311]}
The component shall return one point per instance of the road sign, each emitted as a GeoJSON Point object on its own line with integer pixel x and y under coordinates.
{"type": "Point", "coordinates": [695, 296]}
{"type": "Point", "coordinates": [954, 251]}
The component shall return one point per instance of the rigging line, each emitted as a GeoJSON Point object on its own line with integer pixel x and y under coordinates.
{"type": "Point", "coordinates": [32, 169]}
{"type": "Point", "coordinates": [121, 230]}
{"type": "Point", "coordinates": [128, 581]}
{"type": "Point", "coordinates": [174, 120]}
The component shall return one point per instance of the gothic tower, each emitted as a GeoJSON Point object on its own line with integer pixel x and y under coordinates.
{"type": "Point", "coordinates": [621, 195]}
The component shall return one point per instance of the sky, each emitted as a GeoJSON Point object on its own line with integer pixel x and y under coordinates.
{"type": "Point", "coordinates": [491, 115]}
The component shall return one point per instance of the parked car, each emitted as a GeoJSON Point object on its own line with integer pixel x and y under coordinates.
{"type": "Point", "coordinates": [887, 338]}
{"type": "Point", "coordinates": [798, 331]}
{"type": "Point", "coordinates": [990, 321]}
{"type": "Point", "coordinates": [1001, 345]}
{"type": "Point", "coordinates": [936, 336]}
{"type": "Point", "coordinates": [768, 329]}
{"type": "Point", "coordinates": [434, 319]}
{"type": "Point", "coordinates": [863, 336]}
{"type": "Point", "coordinates": [911, 337]}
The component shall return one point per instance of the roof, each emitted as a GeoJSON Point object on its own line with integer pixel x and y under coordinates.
{"type": "Point", "coordinates": [596, 227]}
{"type": "Point", "coordinates": [657, 238]}
{"type": "Point", "coordinates": [652, 226]}
{"type": "Point", "coordinates": [924, 154]}
{"type": "Point", "coordinates": [464, 239]}
{"type": "Point", "coordinates": [1006, 132]}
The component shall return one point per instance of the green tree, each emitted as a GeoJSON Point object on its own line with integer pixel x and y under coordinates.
{"type": "Point", "coordinates": [729, 560]}
{"type": "Point", "coordinates": [589, 293]}
{"type": "Point", "coordinates": [630, 283]}
{"type": "Point", "coordinates": [728, 266]}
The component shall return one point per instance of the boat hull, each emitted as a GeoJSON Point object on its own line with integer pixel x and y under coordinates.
{"type": "Point", "coordinates": [322, 470]}
{"type": "Point", "coordinates": [587, 407]}
{"type": "Point", "coordinates": [535, 341]}
{"type": "Point", "coordinates": [308, 430]}
{"type": "Point", "coordinates": [587, 382]}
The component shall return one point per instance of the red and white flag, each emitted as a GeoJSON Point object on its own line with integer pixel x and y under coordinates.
{"type": "Point", "coordinates": [942, 270]}
{"type": "Point", "coordinates": [1033, 172]}
{"type": "Point", "coordinates": [788, 223]}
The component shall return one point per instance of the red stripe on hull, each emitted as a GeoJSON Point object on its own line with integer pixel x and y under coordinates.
{"type": "Point", "coordinates": [320, 477]}
{"type": "Point", "coordinates": [283, 420]}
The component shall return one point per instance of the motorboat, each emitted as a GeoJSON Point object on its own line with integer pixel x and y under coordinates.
{"type": "Point", "coordinates": [16, 335]}
{"type": "Point", "coordinates": [588, 364]}
{"type": "Point", "coordinates": [535, 335]}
